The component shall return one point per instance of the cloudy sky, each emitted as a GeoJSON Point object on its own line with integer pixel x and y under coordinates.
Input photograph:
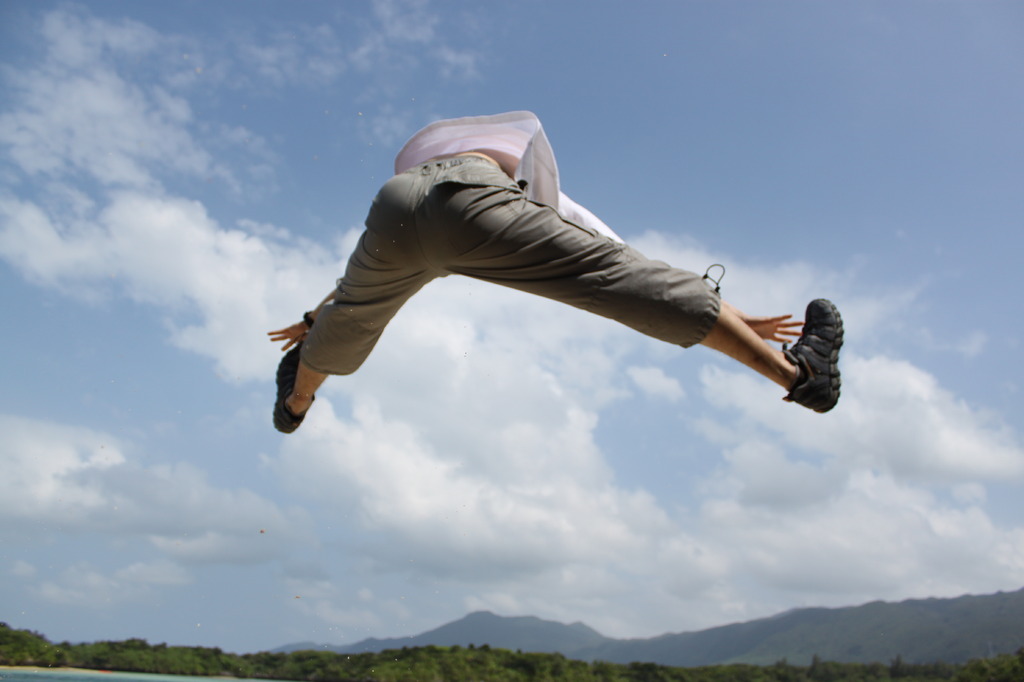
{"type": "Point", "coordinates": [178, 178]}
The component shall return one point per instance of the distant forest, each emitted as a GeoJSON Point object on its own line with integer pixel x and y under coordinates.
{"type": "Point", "coordinates": [462, 664]}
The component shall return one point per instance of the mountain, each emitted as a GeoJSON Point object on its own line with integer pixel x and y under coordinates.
{"type": "Point", "coordinates": [483, 627]}
{"type": "Point", "coordinates": [916, 631]}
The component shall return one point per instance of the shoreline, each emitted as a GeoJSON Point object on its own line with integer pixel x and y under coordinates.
{"type": "Point", "coordinates": [42, 669]}
{"type": "Point", "coordinates": [92, 671]}
{"type": "Point", "coordinates": [64, 669]}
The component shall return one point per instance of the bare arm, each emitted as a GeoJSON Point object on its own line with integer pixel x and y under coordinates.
{"type": "Point", "coordinates": [777, 328]}
{"type": "Point", "coordinates": [297, 332]}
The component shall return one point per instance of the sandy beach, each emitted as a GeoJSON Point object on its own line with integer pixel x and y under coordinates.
{"type": "Point", "coordinates": [38, 669]}
{"type": "Point", "coordinates": [29, 670]}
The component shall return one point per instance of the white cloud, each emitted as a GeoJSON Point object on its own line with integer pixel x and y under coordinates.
{"type": "Point", "coordinates": [973, 344]}
{"type": "Point", "coordinates": [763, 475]}
{"type": "Point", "coordinates": [388, 126]}
{"type": "Point", "coordinates": [40, 463]}
{"type": "Point", "coordinates": [168, 252]}
{"type": "Point", "coordinates": [892, 417]}
{"type": "Point", "coordinates": [465, 517]}
{"type": "Point", "coordinates": [970, 345]}
{"type": "Point", "coordinates": [123, 131]}
{"type": "Point", "coordinates": [83, 585]}
{"type": "Point", "coordinates": [76, 38]}
{"type": "Point", "coordinates": [407, 21]}
{"type": "Point", "coordinates": [154, 573]}
{"type": "Point", "coordinates": [22, 569]}
{"type": "Point", "coordinates": [469, 454]}
{"type": "Point", "coordinates": [458, 64]}
{"type": "Point", "coordinates": [140, 242]}
{"type": "Point", "coordinates": [873, 536]}
{"type": "Point", "coordinates": [881, 498]}
{"type": "Point", "coordinates": [654, 382]}
{"type": "Point", "coordinates": [903, 420]}
{"type": "Point", "coordinates": [311, 56]}
{"type": "Point", "coordinates": [471, 448]}
{"type": "Point", "coordinates": [78, 481]}
{"type": "Point", "coordinates": [118, 133]}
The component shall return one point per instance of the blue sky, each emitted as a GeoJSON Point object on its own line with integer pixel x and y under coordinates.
{"type": "Point", "coordinates": [178, 178]}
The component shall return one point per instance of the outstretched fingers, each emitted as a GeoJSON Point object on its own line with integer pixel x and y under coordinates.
{"type": "Point", "coordinates": [779, 328]}
{"type": "Point", "coordinates": [291, 334]}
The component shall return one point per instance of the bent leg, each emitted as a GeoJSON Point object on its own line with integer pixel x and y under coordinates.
{"type": "Point", "coordinates": [372, 291]}
{"type": "Point", "coordinates": [385, 269]}
{"type": "Point", "coordinates": [307, 382]}
{"type": "Point", "coordinates": [733, 337]}
{"type": "Point", "coordinates": [347, 330]}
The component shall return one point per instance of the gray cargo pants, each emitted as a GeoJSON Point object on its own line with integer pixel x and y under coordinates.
{"type": "Point", "coordinates": [463, 215]}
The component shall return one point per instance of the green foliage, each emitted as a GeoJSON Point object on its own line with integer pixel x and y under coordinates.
{"type": "Point", "coordinates": [998, 669]}
{"type": "Point", "coordinates": [21, 647]}
{"type": "Point", "coordinates": [456, 664]}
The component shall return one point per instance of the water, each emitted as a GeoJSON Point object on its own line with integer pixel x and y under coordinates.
{"type": "Point", "coordinates": [44, 675]}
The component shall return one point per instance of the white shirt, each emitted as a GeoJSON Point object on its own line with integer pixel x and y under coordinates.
{"type": "Point", "coordinates": [517, 133]}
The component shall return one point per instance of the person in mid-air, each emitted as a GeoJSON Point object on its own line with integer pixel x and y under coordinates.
{"type": "Point", "coordinates": [479, 196]}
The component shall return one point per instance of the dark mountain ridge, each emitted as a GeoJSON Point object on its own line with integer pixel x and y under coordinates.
{"type": "Point", "coordinates": [915, 630]}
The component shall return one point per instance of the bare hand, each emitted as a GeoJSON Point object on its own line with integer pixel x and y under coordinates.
{"type": "Point", "coordinates": [778, 328]}
{"type": "Point", "coordinates": [293, 334]}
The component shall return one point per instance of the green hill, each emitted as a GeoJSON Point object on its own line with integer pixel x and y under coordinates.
{"type": "Point", "coordinates": [916, 631]}
{"type": "Point", "coordinates": [483, 627]}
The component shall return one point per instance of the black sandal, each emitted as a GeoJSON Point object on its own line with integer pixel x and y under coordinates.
{"type": "Point", "coordinates": [287, 370]}
{"type": "Point", "coordinates": [816, 356]}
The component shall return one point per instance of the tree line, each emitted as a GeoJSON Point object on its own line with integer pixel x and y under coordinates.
{"type": "Point", "coordinates": [462, 664]}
